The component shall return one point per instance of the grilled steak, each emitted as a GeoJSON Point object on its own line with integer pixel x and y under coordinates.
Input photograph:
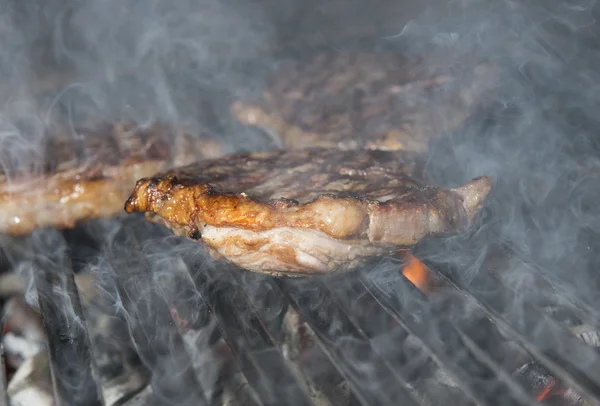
{"type": "Point", "coordinates": [362, 100]}
{"type": "Point", "coordinates": [88, 173]}
{"type": "Point", "coordinates": [305, 211]}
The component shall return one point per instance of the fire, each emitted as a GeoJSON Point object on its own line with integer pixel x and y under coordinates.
{"type": "Point", "coordinates": [416, 272]}
{"type": "Point", "coordinates": [546, 391]}
{"type": "Point", "coordinates": [550, 389]}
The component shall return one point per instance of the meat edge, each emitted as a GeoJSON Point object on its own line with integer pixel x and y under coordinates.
{"type": "Point", "coordinates": [281, 251]}
{"type": "Point", "coordinates": [435, 211]}
{"type": "Point", "coordinates": [62, 203]}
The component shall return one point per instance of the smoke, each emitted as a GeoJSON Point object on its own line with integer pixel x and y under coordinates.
{"type": "Point", "coordinates": [537, 138]}
{"type": "Point", "coordinates": [183, 62]}
{"type": "Point", "coordinates": [74, 63]}
{"type": "Point", "coordinates": [169, 50]}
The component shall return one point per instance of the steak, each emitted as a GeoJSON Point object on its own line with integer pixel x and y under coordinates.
{"type": "Point", "coordinates": [305, 211]}
{"type": "Point", "coordinates": [87, 173]}
{"type": "Point", "coordinates": [358, 100]}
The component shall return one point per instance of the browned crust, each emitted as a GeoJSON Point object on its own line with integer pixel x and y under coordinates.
{"type": "Point", "coordinates": [90, 176]}
{"type": "Point", "coordinates": [268, 190]}
{"type": "Point", "coordinates": [189, 205]}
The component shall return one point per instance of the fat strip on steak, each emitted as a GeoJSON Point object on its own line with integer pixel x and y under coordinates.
{"type": "Point", "coordinates": [88, 173]}
{"type": "Point", "coordinates": [305, 211]}
{"type": "Point", "coordinates": [357, 100]}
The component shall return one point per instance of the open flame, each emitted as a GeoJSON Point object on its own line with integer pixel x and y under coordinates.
{"type": "Point", "coordinates": [416, 272]}
{"type": "Point", "coordinates": [546, 391]}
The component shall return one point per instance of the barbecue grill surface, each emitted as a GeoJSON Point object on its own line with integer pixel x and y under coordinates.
{"type": "Point", "coordinates": [512, 318]}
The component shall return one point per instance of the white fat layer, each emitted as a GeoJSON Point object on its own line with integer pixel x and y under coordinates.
{"type": "Point", "coordinates": [285, 250]}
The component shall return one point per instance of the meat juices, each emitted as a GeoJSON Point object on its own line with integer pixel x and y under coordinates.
{"type": "Point", "coordinates": [305, 211]}
{"type": "Point", "coordinates": [357, 100]}
{"type": "Point", "coordinates": [88, 173]}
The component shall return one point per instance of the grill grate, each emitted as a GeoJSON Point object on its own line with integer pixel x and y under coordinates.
{"type": "Point", "coordinates": [261, 361]}
{"type": "Point", "coordinates": [373, 331]}
{"type": "Point", "coordinates": [64, 324]}
{"type": "Point", "coordinates": [578, 365]}
{"type": "Point", "coordinates": [3, 380]}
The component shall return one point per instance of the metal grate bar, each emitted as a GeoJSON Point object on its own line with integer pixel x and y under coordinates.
{"type": "Point", "coordinates": [162, 349]}
{"type": "Point", "coordinates": [576, 365]}
{"type": "Point", "coordinates": [158, 342]}
{"type": "Point", "coordinates": [3, 380]}
{"type": "Point", "coordinates": [273, 307]}
{"type": "Point", "coordinates": [561, 308]}
{"type": "Point", "coordinates": [193, 318]}
{"type": "Point", "coordinates": [550, 282]}
{"type": "Point", "coordinates": [492, 300]}
{"type": "Point", "coordinates": [464, 341]}
{"type": "Point", "coordinates": [266, 299]}
{"type": "Point", "coordinates": [494, 365]}
{"type": "Point", "coordinates": [474, 375]}
{"type": "Point", "coordinates": [547, 286]}
{"type": "Point", "coordinates": [388, 337]}
{"type": "Point", "coordinates": [70, 356]}
{"type": "Point", "coordinates": [346, 345]}
{"type": "Point", "coordinates": [546, 301]}
{"type": "Point", "coordinates": [261, 361]}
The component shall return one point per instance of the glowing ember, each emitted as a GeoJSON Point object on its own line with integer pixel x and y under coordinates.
{"type": "Point", "coordinates": [416, 272]}
{"type": "Point", "coordinates": [546, 391]}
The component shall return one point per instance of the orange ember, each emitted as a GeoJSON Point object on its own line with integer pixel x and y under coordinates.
{"type": "Point", "coordinates": [546, 392]}
{"type": "Point", "coordinates": [552, 388]}
{"type": "Point", "coordinates": [416, 272]}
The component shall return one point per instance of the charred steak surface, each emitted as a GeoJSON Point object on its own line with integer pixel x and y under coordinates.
{"type": "Point", "coordinates": [89, 172]}
{"type": "Point", "coordinates": [355, 100]}
{"type": "Point", "coordinates": [305, 211]}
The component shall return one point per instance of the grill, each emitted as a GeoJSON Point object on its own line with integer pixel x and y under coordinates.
{"type": "Point", "coordinates": [497, 324]}
{"type": "Point", "coordinates": [367, 337]}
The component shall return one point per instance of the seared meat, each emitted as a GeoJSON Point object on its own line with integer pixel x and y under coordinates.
{"type": "Point", "coordinates": [305, 211]}
{"type": "Point", "coordinates": [362, 100]}
{"type": "Point", "coordinates": [83, 174]}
